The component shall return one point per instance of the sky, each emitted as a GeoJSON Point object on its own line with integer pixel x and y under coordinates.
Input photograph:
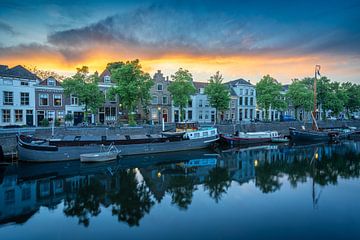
{"type": "Point", "coordinates": [241, 39]}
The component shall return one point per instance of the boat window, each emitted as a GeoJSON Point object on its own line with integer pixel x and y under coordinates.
{"type": "Point", "coordinates": [213, 132]}
{"type": "Point", "coordinates": [205, 134]}
{"type": "Point", "coordinates": [196, 134]}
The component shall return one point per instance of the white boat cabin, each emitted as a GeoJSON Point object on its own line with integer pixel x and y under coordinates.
{"type": "Point", "coordinates": [193, 131]}
{"type": "Point", "coordinates": [258, 135]}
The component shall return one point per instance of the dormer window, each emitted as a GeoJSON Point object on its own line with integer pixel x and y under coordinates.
{"type": "Point", "coordinates": [159, 87]}
{"type": "Point", "coordinates": [51, 82]}
{"type": "Point", "coordinates": [107, 79]}
{"type": "Point", "coordinates": [201, 90]}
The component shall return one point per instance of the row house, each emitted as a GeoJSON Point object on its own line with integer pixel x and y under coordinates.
{"type": "Point", "coordinates": [198, 108]}
{"type": "Point", "coordinates": [49, 101]}
{"type": "Point", "coordinates": [243, 101]}
{"type": "Point", "coordinates": [17, 96]}
{"type": "Point", "coordinates": [160, 104]}
{"type": "Point", "coordinates": [110, 112]}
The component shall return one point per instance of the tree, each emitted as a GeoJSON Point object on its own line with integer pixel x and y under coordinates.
{"type": "Point", "coordinates": [181, 89]}
{"type": "Point", "coordinates": [132, 85]}
{"type": "Point", "coordinates": [300, 96]}
{"type": "Point", "coordinates": [268, 95]}
{"type": "Point", "coordinates": [352, 92]}
{"type": "Point", "coordinates": [44, 74]}
{"type": "Point", "coordinates": [218, 93]}
{"type": "Point", "coordinates": [85, 87]}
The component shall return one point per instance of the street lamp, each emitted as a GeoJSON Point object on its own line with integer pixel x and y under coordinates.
{"type": "Point", "coordinates": [159, 108]}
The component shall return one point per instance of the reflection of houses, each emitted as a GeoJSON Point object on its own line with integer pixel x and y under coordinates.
{"type": "Point", "coordinates": [17, 96]}
{"type": "Point", "coordinates": [49, 100]}
{"type": "Point", "coordinates": [160, 104]}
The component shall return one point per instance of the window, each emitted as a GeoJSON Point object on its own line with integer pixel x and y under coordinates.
{"type": "Point", "coordinates": [74, 100]}
{"type": "Point", "coordinates": [154, 100]}
{"type": "Point", "coordinates": [251, 101]}
{"type": "Point", "coordinates": [201, 90]}
{"type": "Point", "coordinates": [165, 100]}
{"type": "Point", "coordinates": [240, 114]}
{"type": "Point", "coordinates": [29, 112]}
{"type": "Point", "coordinates": [251, 92]}
{"type": "Point", "coordinates": [24, 98]}
{"type": "Point", "coordinates": [10, 196]}
{"type": "Point", "coordinates": [246, 101]}
{"type": "Point", "coordinates": [200, 103]}
{"type": "Point", "coordinates": [200, 115]}
{"type": "Point", "coordinates": [196, 135]}
{"type": "Point", "coordinates": [241, 91]}
{"type": "Point", "coordinates": [8, 98]}
{"type": "Point", "coordinates": [246, 113]}
{"type": "Point", "coordinates": [107, 79]}
{"type": "Point", "coordinates": [25, 194]}
{"type": "Point", "coordinates": [57, 100]}
{"type": "Point", "coordinates": [206, 103]}
{"type": "Point", "coordinates": [60, 114]}
{"type": "Point", "coordinates": [251, 113]}
{"type": "Point", "coordinates": [6, 115]}
{"type": "Point", "coordinates": [51, 82]}
{"type": "Point", "coordinates": [189, 115]}
{"type": "Point", "coordinates": [207, 115]}
{"type": "Point", "coordinates": [23, 83]}
{"type": "Point", "coordinates": [240, 101]}
{"type": "Point", "coordinates": [159, 87]}
{"type": "Point", "coordinates": [190, 103]}
{"type": "Point", "coordinates": [246, 91]}
{"type": "Point", "coordinates": [43, 99]}
{"type": "Point", "coordinates": [232, 104]}
{"type": "Point", "coordinates": [18, 115]}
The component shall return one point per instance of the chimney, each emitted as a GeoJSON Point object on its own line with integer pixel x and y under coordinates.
{"type": "Point", "coordinates": [3, 68]}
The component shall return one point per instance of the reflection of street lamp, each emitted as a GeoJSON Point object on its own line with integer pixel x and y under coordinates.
{"type": "Point", "coordinates": [159, 108]}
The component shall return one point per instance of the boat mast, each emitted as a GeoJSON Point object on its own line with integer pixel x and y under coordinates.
{"type": "Point", "coordinates": [314, 124]}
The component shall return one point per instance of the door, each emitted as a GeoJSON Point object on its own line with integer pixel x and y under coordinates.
{"type": "Point", "coordinates": [78, 117]}
{"type": "Point", "coordinates": [101, 118]}
{"type": "Point", "coordinates": [176, 115]}
{"type": "Point", "coordinates": [165, 115]}
{"type": "Point", "coordinates": [40, 117]}
{"type": "Point", "coordinates": [29, 118]}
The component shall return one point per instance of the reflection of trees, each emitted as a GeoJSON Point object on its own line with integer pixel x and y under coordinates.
{"type": "Point", "coordinates": [181, 189]}
{"type": "Point", "coordinates": [132, 201]}
{"type": "Point", "coordinates": [323, 171]}
{"type": "Point", "coordinates": [217, 182]}
{"type": "Point", "coordinates": [86, 203]}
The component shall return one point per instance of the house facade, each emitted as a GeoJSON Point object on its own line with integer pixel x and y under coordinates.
{"type": "Point", "coordinates": [17, 96]}
{"type": "Point", "coordinates": [49, 101]}
{"type": "Point", "coordinates": [243, 101]}
{"type": "Point", "coordinates": [198, 108]}
{"type": "Point", "coordinates": [160, 104]}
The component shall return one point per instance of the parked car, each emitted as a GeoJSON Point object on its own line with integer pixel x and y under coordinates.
{"type": "Point", "coordinates": [287, 118]}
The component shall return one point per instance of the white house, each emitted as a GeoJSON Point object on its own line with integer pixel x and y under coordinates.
{"type": "Point", "coordinates": [17, 96]}
{"type": "Point", "coordinates": [198, 109]}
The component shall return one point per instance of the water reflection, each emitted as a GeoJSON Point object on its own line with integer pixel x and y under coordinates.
{"type": "Point", "coordinates": [131, 187]}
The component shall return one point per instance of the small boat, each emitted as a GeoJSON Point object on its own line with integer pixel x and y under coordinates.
{"type": "Point", "coordinates": [109, 154]}
{"type": "Point", "coordinates": [249, 137]}
{"type": "Point", "coordinates": [312, 135]}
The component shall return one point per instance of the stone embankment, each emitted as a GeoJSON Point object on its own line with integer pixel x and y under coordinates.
{"type": "Point", "coordinates": [8, 136]}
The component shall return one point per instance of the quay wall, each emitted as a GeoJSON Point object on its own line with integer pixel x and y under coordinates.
{"type": "Point", "coordinates": [8, 136]}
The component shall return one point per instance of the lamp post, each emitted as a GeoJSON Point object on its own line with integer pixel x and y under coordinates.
{"type": "Point", "coordinates": [159, 108]}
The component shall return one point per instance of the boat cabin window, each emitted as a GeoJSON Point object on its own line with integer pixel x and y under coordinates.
{"type": "Point", "coordinates": [77, 138]}
{"type": "Point", "coordinates": [196, 135]}
{"type": "Point", "coordinates": [213, 132]}
{"type": "Point", "coordinates": [205, 134]}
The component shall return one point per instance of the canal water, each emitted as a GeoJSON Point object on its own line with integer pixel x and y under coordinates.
{"type": "Point", "coordinates": [261, 192]}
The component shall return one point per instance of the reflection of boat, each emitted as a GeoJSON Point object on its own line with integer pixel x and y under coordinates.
{"type": "Point", "coordinates": [111, 153]}
{"type": "Point", "coordinates": [70, 148]}
{"type": "Point", "coordinates": [249, 137]}
{"type": "Point", "coordinates": [201, 162]}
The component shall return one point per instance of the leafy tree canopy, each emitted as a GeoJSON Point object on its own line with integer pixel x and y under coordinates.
{"type": "Point", "coordinates": [181, 89]}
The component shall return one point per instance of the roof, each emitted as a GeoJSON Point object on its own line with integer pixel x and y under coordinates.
{"type": "Point", "coordinates": [17, 72]}
{"type": "Point", "coordinates": [232, 92]}
{"type": "Point", "coordinates": [106, 72]}
{"type": "Point", "coordinates": [45, 82]}
{"type": "Point", "coordinates": [240, 81]}
{"type": "Point", "coordinates": [199, 85]}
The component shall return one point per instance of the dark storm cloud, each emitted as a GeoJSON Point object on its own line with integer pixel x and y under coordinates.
{"type": "Point", "coordinates": [6, 28]}
{"type": "Point", "coordinates": [165, 29]}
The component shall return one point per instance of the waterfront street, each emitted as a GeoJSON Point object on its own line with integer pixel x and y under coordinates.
{"type": "Point", "coordinates": [262, 192]}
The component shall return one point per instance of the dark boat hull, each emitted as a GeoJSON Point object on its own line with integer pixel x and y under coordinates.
{"type": "Point", "coordinates": [27, 152]}
{"type": "Point", "coordinates": [243, 141]}
{"type": "Point", "coordinates": [311, 136]}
